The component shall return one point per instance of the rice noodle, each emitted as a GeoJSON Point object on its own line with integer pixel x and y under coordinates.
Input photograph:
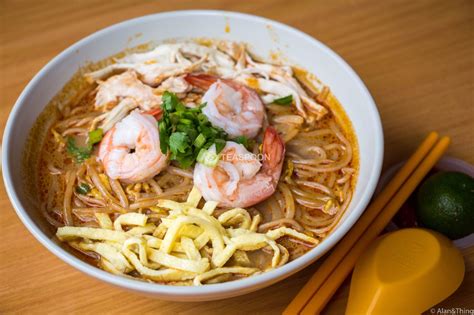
{"type": "Point", "coordinates": [79, 131]}
{"type": "Point", "coordinates": [329, 227]}
{"type": "Point", "coordinates": [64, 124]}
{"type": "Point", "coordinates": [289, 119]}
{"type": "Point", "coordinates": [275, 208]}
{"type": "Point", "coordinates": [332, 179]}
{"type": "Point", "coordinates": [99, 185]}
{"type": "Point", "coordinates": [118, 208]}
{"type": "Point", "coordinates": [78, 202]}
{"type": "Point", "coordinates": [313, 219]}
{"type": "Point", "coordinates": [156, 188]}
{"type": "Point", "coordinates": [49, 218]}
{"type": "Point", "coordinates": [54, 170]}
{"type": "Point", "coordinates": [280, 222]}
{"type": "Point", "coordinates": [289, 201]}
{"type": "Point", "coordinates": [290, 134]}
{"type": "Point", "coordinates": [312, 204]}
{"type": "Point", "coordinates": [91, 211]}
{"type": "Point", "coordinates": [118, 190]}
{"type": "Point", "coordinates": [78, 109]}
{"type": "Point", "coordinates": [317, 186]}
{"type": "Point", "coordinates": [180, 172]}
{"type": "Point", "coordinates": [301, 191]}
{"type": "Point", "coordinates": [90, 201]}
{"type": "Point", "coordinates": [347, 175]}
{"type": "Point", "coordinates": [70, 180]}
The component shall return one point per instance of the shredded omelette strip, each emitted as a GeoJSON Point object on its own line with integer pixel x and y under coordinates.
{"type": "Point", "coordinates": [173, 251]}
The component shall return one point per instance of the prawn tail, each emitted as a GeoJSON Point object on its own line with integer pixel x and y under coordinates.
{"type": "Point", "coordinates": [202, 81]}
{"type": "Point", "coordinates": [273, 152]}
{"type": "Point", "coordinates": [155, 112]}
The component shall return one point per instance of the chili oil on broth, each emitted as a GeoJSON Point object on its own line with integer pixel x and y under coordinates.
{"type": "Point", "coordinates": [40, 147]}
{"type": "Point", "coordinates": [47, 166]}
{"type": "Point", "coordinates": [336, 117]}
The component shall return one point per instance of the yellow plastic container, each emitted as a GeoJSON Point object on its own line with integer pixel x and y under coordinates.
{"type": "Point", "coordinates": [405, 272]}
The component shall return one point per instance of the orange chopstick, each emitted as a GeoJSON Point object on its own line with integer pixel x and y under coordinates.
{"type": "Point", "coordinates": [326, 291]}
{"type": "Point", "coordinates": [343, 247]}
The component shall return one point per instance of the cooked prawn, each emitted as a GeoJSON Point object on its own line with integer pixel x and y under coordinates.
{"type": "Point", "coordinates": [136, 132]}
{"type": "Point", "coordinates": [230, 105]}
{"type": "Point", "coordinates": [239, 179]}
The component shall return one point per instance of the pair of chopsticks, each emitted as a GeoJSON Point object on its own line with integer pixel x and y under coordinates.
{"type": "Point", "coordinates": [323, 284]}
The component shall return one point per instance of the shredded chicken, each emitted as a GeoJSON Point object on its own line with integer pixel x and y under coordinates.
{"type": "Point", "coordinates": [147, 75]}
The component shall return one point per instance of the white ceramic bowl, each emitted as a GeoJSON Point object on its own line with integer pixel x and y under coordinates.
{"type": "Point", "coordinates": [265, 37]}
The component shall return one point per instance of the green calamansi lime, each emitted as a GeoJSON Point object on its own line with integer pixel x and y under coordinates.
{"type": "Point", "coordinates": [445, 203]}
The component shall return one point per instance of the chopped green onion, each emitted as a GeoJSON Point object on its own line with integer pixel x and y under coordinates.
{"type": "Point", "coordinates": [186, 161]}
{"type": "Point", "coordinates": [199, 141]}
{"type": "Point", "coordinates": [220, 144]}
{"type": "Point", "coordinates": [83, 189]}
{"type": "Point", "coordinates": [242, 140]}
{"type": "Point", "coordinates": [95, 136]}
{"type": "Point", "coordinates": [164, 136]}
{"type": "Point", "coordinates": [208, 158]}
{"type": "Point", "coordinates": [202, 118]}
{"type": "Point", "coordinates": [191, 132]}
{"type": "Point", "coordinates": [185, 131]}
{"type": "Point", "coordinates": [185, 121]}
{"type": "Point", "coordinates": [80, 154]}
{"type": "Point", "coordinates": [287, 100]}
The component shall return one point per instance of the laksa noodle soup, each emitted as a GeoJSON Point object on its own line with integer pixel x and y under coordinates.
{"type": "Point", "coordinates": [192, 163]}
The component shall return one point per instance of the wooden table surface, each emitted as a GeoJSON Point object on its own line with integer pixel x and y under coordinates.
{"type": "Point", "coordinates": [416, 57]}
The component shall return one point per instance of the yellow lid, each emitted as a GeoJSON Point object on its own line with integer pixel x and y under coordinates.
{"type": "Point", "coordinates": [405, 272]}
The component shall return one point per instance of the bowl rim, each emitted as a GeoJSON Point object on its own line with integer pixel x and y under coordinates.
{"type": "Point", "coordinates": [227, 288]}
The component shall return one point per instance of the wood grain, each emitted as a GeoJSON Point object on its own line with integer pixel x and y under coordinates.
{"type": "Point", "coordinates": [416, 57]}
